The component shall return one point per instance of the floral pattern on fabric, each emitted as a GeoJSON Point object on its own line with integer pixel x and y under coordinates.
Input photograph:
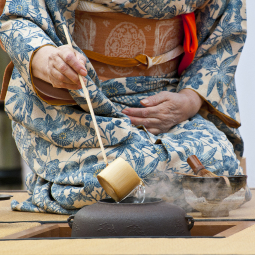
{"type": "Point", "coordinates": [59, 142]}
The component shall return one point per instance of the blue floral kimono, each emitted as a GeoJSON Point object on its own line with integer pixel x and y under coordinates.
{"type": "Point", "coordinates": [58, 141]}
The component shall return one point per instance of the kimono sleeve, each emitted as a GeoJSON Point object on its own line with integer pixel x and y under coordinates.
{"type": "Point", "coordinates": [25, 26]}
{"type": "Point", "coordinates": [221, 30]}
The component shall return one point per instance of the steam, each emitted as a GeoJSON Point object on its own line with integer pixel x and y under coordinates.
{"type": "Point", "coordinates": [171, 192]}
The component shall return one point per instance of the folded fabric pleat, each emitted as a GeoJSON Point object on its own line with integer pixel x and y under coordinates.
{"type": "Point", "coordinates": [190, 43]}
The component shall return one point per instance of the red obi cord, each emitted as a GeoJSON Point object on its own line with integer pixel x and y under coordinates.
{"type": "Point", "coordinates": [190, 43]}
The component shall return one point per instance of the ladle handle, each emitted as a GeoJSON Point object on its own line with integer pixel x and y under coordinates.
{"type": "Point", "coordinates": [86, 93]}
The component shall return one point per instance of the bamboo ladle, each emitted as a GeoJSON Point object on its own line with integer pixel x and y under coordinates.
{"type": "Point", "coordinates": [118, 178]}
{"type": "Point", "coordinates": [86, 93]}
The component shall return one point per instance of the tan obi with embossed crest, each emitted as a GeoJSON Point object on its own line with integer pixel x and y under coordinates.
{"type": "Point", "coordinates": [115, 34]}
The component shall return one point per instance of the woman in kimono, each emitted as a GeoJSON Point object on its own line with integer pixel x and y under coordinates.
{"type": "Point", "coordinates": [160, 75]}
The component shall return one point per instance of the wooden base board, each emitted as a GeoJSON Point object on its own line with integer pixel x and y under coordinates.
{"type": "Point", "coordinates": [209, 229]}
{"type": "Point", "coordinates": [43, 231]}
{"type": "Point", "coordinates": [219, 228]}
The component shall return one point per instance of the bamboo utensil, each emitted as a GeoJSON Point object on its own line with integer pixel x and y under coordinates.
{"type": "Point", "coordinates": [86, 93]}
{"type": "Point", "coordinates": [118, 179]}
{"type": "Point", "coordinates": [200, 171]}
{"type": "Point", "coordinates": [198, 168]}
{"type": "Point", "coordinates": [191, 175]}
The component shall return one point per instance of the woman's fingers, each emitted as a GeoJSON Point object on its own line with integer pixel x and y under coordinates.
{"type": "Point", "coordinates": [74, 59]}
{"type": "Point", "coordinates": [62, 76]}
{"type": "Point", "coordinates": [154, 131]}
{"type": "Point", "coordinates": [64, 67]}
{"type": "Point", "coordinates": [162, 112]}
{"type": "Point", "coordinates": [59, 66]}
{"type": "Point", "coordinates": [157, 123]}
{"type": "Point", "coordinates": [61, 81]}
{"type": "Point", "coordinates": [165, 110]}
{"type": "Point", "coordinates": [147, 122]}
{"type": "Point", "coordinates": [156, 99]}
{"type": "Point", "coordinates": [141, 112]}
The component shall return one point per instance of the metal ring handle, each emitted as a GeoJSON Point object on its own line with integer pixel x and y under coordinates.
{"type": "Point", "coordinates": [69, 221]}
{"type": "Point", "coordinates": [190, 221]}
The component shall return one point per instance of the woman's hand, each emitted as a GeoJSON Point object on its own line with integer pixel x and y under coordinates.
{"type": "Point", "coordinates": [59, 66]}
{"type": "Point", "coordinates": [164, 110]}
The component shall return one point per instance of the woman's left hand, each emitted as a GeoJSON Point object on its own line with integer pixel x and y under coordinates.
{"type": "Point", "coordinates": [164, 110]}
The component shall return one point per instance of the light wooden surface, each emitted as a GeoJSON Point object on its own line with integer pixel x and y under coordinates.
{"type": "Point", "coordinates": [7, 215]}
{"type": "Point", "coordinates": [42, 231]}
{"type": "Point", "coordinates": [7, 229]}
